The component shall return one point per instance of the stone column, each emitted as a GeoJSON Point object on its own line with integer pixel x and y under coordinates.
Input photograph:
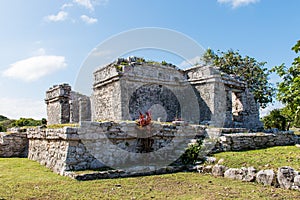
{"type": "Point", "coordinates": [228, 119]}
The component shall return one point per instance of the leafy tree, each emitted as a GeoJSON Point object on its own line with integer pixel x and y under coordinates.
{"type": "Point", "coordinates": [253, 72]}
{"type": "Point", "coordinates": [4, 122]}
{"type": "Point", "coordinates": [275, 120]}
{"type": "Point", "coordinates": [44, 121]}
{"type": "Point", "coordinates": [289, 88]}
{"type": "Point", "coordinates": [26, 122]}
{"type": "Point", "coordinates": [3, 118]}
{"type": "Point", "coordinates": [8, 123]}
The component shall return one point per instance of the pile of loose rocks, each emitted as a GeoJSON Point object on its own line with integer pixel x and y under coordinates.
{"type": "Point", "coordinates": [286, 177]}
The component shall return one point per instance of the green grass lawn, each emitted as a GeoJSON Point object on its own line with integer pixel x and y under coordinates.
{"type": "Point", "coordinates": [24, 179]}
{"type": "Point", "coordinates": [270, 158]}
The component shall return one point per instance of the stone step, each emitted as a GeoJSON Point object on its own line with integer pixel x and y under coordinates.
{"type": "Point", "coordinates": [234, 130]}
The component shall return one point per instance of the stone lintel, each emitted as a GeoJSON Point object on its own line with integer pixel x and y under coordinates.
{"type": "Point", "coordinates": [58, 92]}
{"type": "Point", "coordinates": [106, 81]}
{"type": "Point", "coordinates": [229, 82]}
{"type": "Point", "coordinates": [109, 73]}
{"type": "Point", "coordinates": [136, 78]}
{"type": "Point", "coordinates": [55, 99]}
{"type": "Point", "coordinates": [234, 83]}
{"type": "Point", "coordinates": [207, 79]}
{"type": "Point", "coordinates": [147, 80]}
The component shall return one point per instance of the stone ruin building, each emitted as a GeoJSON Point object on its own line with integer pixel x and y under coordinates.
{"type": "Point", "coordinates": [217, 107]}
{"type": "Point", "coordinates": [126, 87]}
{"type": "Point", "coordinates": [66, 106]}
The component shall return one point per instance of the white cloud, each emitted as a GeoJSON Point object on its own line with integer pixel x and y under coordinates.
{"type": "Point", "coordinates": [88, 20]}
{"type": "Point", "coordinates": [40, 52]}
{"type": "Point", "coordinates": [66, 5]}
{"type": "Point", "coordinates": [61, 16]}
{"type": "Point", "coordinates": [33, 68]}
{"type": "Point", "coordinates": [86, 3]}
{"type": "Point", "coordinates": [238, 3]}
{"type": "Point", "coordinates": [14, 108]}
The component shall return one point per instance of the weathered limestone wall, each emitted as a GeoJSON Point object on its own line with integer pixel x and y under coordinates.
{"type": "Point", "coordinates": [85, 110]}
{"type": "Point", "coordinates": [125, 143]}
{"type": "Point", "coordinates": [106, 102]}
{"type": "Point", "coordinates": [248, 141]}
{"type": "Point", "coordinates": [250, 112]}
{"type": "Point", "coordinates": [106, 97]}
{"type": "Point", "coordinates": [162, 90]}
{"type": "Point", "coordinates": [74, 106]}
{"type": "Point", "coordinates": [121, 91]}
{"type": "Point", "coordinates": [59, 149]}
{"type": "Point", "coordinates": [80, 107]}
{"type": "Point", "coordinates": [13, 144]}
{"type": "Point", "coordinates": [212, 95]}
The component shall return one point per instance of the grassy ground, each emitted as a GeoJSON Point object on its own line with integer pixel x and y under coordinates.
{"type": "Point", "coordinates": [25, 179]}
{"type": "Point", "coordinates": [270, 158]}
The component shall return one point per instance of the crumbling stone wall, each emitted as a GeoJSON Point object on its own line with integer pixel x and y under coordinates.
{"type": "Point", "coordinates": [248, 141]}
{"type": "Point", "coordinates": [127, 86]}
{"type": "Point", "coordinates": [80, 107]}
{"type": "Point", "coordinates": [106, 101]}
{"type": "Point", "coordinates": [60, 150]}
{"type": "Point", "coordinates": [250, 112]}
{"type": "Point", "coordinates": [13, 144]}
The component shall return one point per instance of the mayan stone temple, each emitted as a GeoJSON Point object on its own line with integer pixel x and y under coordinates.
{"type": "Point", "coordinates": [126, 87]}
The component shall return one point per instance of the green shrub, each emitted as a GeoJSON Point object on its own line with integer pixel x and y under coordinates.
{"type": "Point", "coordinates": [26, 122]}
{"type": "Point", "coordinates": [164, 62]}
{"type": "Point", "coordinates": [275, 120]}
{"type": "Point", "coordinates": [140, 60]}
{"type": "Point", "coordinates": [124, 63]}
{"type": "Point", "coordinates": [119, 68]}
{"type": "Point", "coordinates": [191, 154]}
{"type": "Point", "coordinates": [3, 118]}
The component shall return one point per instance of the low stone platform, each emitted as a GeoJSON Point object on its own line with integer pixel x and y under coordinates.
{"type": "Point", "coordinates": [122, 145]}
{"type": "Point", "coordinates": [117, 145]}
{"type": "Point", "coordinates": [13, 144]}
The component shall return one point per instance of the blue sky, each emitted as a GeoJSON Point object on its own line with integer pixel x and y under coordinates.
{"type": "Point", "coordinates": [45, 42]}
